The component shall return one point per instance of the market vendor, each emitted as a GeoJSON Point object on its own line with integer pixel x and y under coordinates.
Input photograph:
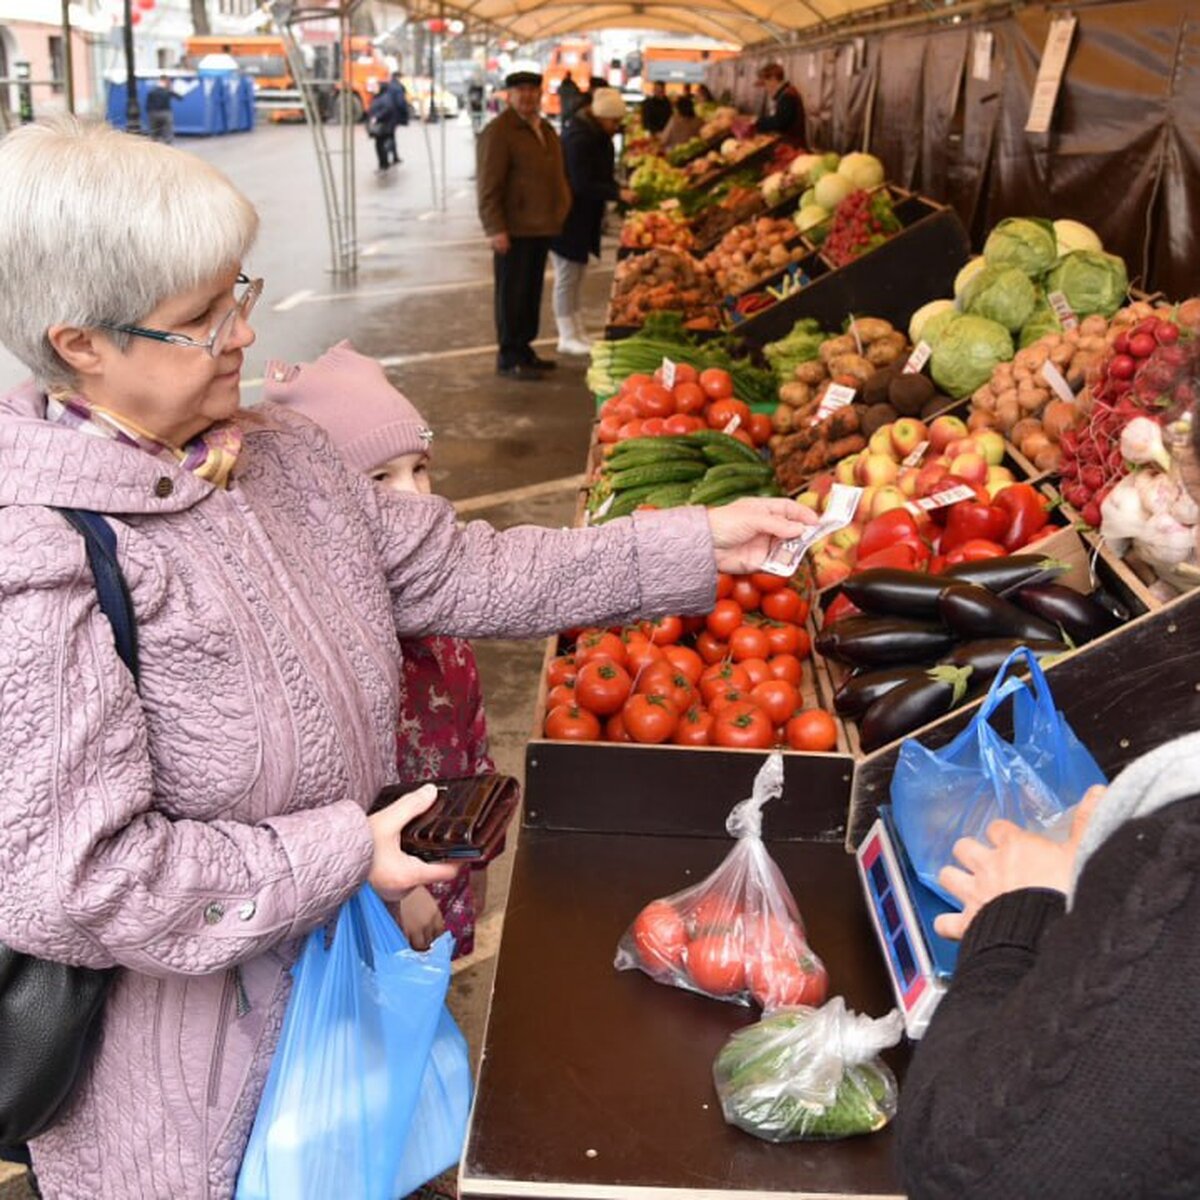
{"type": "Point", "coordinates": [782, 108]}
{"type": "Point", "coordinates": [189, 828]}
{"type": "Point", "coordinates": [1062, 1059]}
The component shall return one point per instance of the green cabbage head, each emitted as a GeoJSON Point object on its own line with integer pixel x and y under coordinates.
{"type": "Point", "coordinates": [1005, 295]}
{"type": "Point", "coordinates": [1027, 243]}
{"type": "Point", "coordinates": [1092, 281]}
{"type": "Point", "coordinates": [967, 351]}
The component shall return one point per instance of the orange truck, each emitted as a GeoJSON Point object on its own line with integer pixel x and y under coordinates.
{"type": "Point", "coordinates": [262, 57]}
{"type": "Point", "coordinates": [576, 59]}
{"type": "Point", "coordinates": [679, 64]}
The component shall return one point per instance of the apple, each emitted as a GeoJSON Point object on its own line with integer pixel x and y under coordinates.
{"type": "Point", "coordinates": [944, 430]}
{"type": "Point", "coordinates": [845, 470]}
{"type": "Point", "coordinates": [971, 466]}
{"type": "Point", "coordinates": [930, 476]}
{"type": "Point", "coordinates": [881, 441]}
{"type": "Point", "coordinates": [1000, 475]}
{"type": "Point", "coordinates": [846, 538]}
{"type": "Point", "coordinates": [887, 498]}
{"type": "Point", "coordinates": [862, 512]}
{"type": "Point", "coordinates": [876, 470]}
{"type": "Point", "coordinates": [822, 483]}
{"type": "Point", "coordinates": [907, 480]}
{"type": "Point", "coordinates": [907, 434]}
{"type": "Point", "coordinates": [991, 446]}
{"type": "Point", "coordinates": [828, 570]}
{"type": "Point", "coordinates": [809, 499]}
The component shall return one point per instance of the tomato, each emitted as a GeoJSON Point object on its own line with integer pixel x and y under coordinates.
{"type": "Point", "coordinates": [757, 669]}
{"type": "Point", "coordinates": [681, 423]}
{"type": "Point", "coordinates": [768, 583]}
{"type": "Point", "coordinates": [746, 594]}
{"type": "Point", "coordinates": [749, 641]}
{"type": "Point", "coordinates": [660, 936]}
{"type": "Point", "coordinates": [686, 661]}
{"type": "Point", "coordinates": [692, 625]}
{"type": "Point", "coordinates": [778, 982]}
{"type": "Point", "coordinates": [813, 729]}
{"type": "Point", "coordinates": [694, 728]}
{"type": "Point", "coordinates": [625, 409]}
{"type": "Point", "coordinates": [663, 631]}
{"type": "Point", "coordinates": [685, 373]}
{"type": "Point", "coordinates": [654, 427]}
{"type": "Point", "coordinates": [723, 411]}
{"type": "Point", "coordinates": [635, 381]}
{"type": "Point", "coordinates": [561, 669]}
{"type": "Point", "coordinates": [630, 429]}
{"type": "Point", "coordinates": [715, 965]}
{"type": "Point", "coordinates": [724, 586]}
{"type": "Point", "coordinates": [561, 693]}
{"type": "Point", "coordinates": [724, 698]}
{"type": "Point", "coordinates": [784, 638]}
{"type": "Point", "coordinates": [785, 605]}
{"type": "Point", "coordinates": [717, 384]}
{"type": "Point", "coordinates": [725, 617]}
{"type": "Point", "coordinates": [653, 400]}
{"type": "Point", "coordinates": [743, 725]}
{"type": "Point", "coordinates": [759, 428]}
{"type": "Point", "coordinates": [777, 698]}
{"type": "Point", "coordinates": [650, 719]}
{"type": "Point", "coordinates": [641, 654]}
{"type": "Point", "coordinates": [769, 936]}
{"type": "Point", "coordinates": [786, 666]}
{"type": "Point", "coordinates": [608, 429]}
{"type": "Point", "coordinates": [602, 687]}
{"type": "Point", "coordinates": [721, 677]}
{"type": "Point", "coordinates": [662, 679]}
{"type": "Point", "coordinates": [690, 398]}
{"type": "Point", "coordinates": [570, 723]}
{"type": "Point", "coordinates": [615, 731]}
{"type": "Point", "coordinates": [599, 643]}
{"type": "Point", "coordinates": [714, 912]}
{"type": "Point", "coordinates": [711, 649]}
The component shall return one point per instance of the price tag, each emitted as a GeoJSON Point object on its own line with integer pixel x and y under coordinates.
{"type": "Point", "coordinates": [854, 334]}
{"type": "Point", "coordinates": [732, 426]}
{"type": "Point", "coordinates": [1050, 73]}
{"type": "Point", "coordinates": [1053, 376]}
{"type": "Point", "coordinates": [1063, 311]}
{"type": "Point", "coordinates": [942, 499]}
{"type": "Point", "coordinates": [918, 453]}
{"type": "Point", "coordinates": [668, 374]}
{"type": "Point", "coordinates": [837, 395]}
{"type": "Point", "coordinates": [981, 63]}
{"type": "Point", "coordinates": [918, 358]}
{"type": "Point", "coordinates": [785, 557]}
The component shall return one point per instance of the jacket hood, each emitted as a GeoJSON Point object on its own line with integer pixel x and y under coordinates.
{"type": "Point", "coordinates": [44, 463]}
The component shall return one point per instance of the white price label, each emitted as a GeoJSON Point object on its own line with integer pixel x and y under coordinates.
{"type": "Point", "coordinates": [1050, 74]}
{"type": "Point", "coordinates": [981, 66]}
{"type": "Point", "coordinates": [918, 453]}
{"type": "Point", "coordinates": [1063, 311]}
{"type": "Point", "coordinates": [942, 499]}
{"type": "Point", "coordinates": [668, 374]}
{"type": "Point", "coordinates": [1053, 376]}
{"type": "Point", "coordinates": [732, 426]}
{"type": "Point", "coordinates": [854, 334]}
{"type": "Point", "coordinates": [918, 358]}
{"type": "Point", "coordinates": [840, 508]}
{"type": "Point", "coordinates": [837, 395]}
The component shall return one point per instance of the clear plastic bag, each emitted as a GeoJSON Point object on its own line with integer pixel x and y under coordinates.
{"type": "Point", "coordinates": [939, 796]}
{"type": "Point", "coordinates": [809, 1073]}
{"type": "Point", "coordinates": [737, 934]}
{"type": "Point", "coordinates": [352, 1065]}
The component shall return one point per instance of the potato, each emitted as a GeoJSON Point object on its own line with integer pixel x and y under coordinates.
{"type": "Point", "coordinates": [886, 350]}
{"type": "Point", "coordinates": [852, 364]}
{"type": "Point", "coordinates": [1034, 444]}
{"type": "Point", "coordinates": [781, 419]}
{"type": "Point", "coordinates": [979, 420]}
{"type": "Point", "coordinates": [1008, 411]}
{"type": "Point", "coordinates": [1062, 354]}
{"type": "Point", "coordinates": [1032, 397]}
{"type": "Point", "coordinates": [1024, 428]}
{"type": "Point", "coordinates": [1093, 326]}
{"type": "Point", "coordinates": [811, 372]}
{"type": "Point", "coordinates": [1057, 417]}
{"type": "Point", "coordinates": [1002, 377]}
{"type": "Point", "coordinates": [794, 395]}
{"type": "Point", "coordinates": [871, 329]}
{"type": "Point", "coordinates": [1049, 459]}
{"type": "Point", "coordinates": [834, 347]}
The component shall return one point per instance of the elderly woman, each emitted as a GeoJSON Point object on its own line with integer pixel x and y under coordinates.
{"type": "Point", "coordinates": [189, 830]}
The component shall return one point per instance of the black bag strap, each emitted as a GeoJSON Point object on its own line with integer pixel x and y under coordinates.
{"type": "Point", "coordinates": [112, 591]}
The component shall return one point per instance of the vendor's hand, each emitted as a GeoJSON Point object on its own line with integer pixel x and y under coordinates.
{"type": "Point", "coordinates": [394, 873]}
{"type": "Point", "coordinates": [744, 531]}
{"type": "Point", "coordinates": [501, 243]}
{"type": "Point", "coordinates": [420, 918]}
{"type": "Point", "coordinates": [1015, 859]}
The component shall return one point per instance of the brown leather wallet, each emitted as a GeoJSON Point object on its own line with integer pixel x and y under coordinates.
{"type": "Point", "coordinates": [467, 821]}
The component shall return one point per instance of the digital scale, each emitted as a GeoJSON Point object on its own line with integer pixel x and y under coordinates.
{"type": "Point", "coordinates": [919, 962]}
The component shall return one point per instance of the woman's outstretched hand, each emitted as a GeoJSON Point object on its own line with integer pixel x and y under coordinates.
{"type": "Point", "coordinates": [744, 532]}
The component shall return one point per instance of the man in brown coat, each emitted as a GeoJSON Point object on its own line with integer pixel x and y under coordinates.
{"type": "Point", "coordinates": [523, 201]}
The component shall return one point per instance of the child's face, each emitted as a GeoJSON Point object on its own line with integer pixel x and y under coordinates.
{"type": "Point", "coordinates": [405, 473]}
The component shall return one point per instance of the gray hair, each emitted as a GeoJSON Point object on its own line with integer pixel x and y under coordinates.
{"type": "Point", "coordinates": [99, 228]}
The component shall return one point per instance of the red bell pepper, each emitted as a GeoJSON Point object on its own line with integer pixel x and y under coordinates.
{"type": "Point", "coordinates": [1027, 513]}
{"type": "Point", "coordinates": [895, 525]}
{"type": "Point", "coordinates": [975, 550]}
{"type": "Point", "coordinates": [971, 519]}
{"type": "Point", "coordinates": [903, 556]}
{"type": "Point", "coordinates": [946, 483]}
{"type": "Point", "coordinates": [937, 564]}
{"type": "Point", "coordinates": [841, 606]}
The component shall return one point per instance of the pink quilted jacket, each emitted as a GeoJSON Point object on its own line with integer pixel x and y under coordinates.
{"type": "Point", "coordinates": [217, 817]}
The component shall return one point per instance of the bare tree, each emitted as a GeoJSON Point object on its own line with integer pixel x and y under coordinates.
{"type": "Point", "coordinates": [200, 25]}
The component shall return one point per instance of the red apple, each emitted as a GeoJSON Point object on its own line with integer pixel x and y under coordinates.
{"type": "Point", "coordinates": [907, 434]}
{"type": "Point", "coordinates": [971, 466]}
{"type": "Point", "coordinates": [943, 430]}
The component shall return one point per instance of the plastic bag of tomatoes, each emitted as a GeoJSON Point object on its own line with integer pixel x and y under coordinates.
{"type": "Point", "coordinates": [736, 935]}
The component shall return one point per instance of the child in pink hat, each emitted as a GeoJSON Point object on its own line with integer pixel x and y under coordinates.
{"type": "Point", "coordinates": [441, 732]}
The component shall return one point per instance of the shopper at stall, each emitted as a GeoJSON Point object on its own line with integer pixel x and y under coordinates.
{"type": "Point", "coordinates": [656, 109]}
{"type": "Point", "coordinates": [188, 831]}
{"type": "Point", "coordinates": [703, 95]}
{"type": "Point", "coordinates": [1061, 1060]}
{"type": "Point", "coordinates": [590, 163]}
{"type": "Point", "coordinates": [160, 116]}
{"type": "Point", "coordinates": [523, 201]}
{"type": "Point", "coordinates": [441, 732]}
{"type": "Point", "coordinates": [782, 110]}
{"type": "Point", "coordinates": [683, 125]}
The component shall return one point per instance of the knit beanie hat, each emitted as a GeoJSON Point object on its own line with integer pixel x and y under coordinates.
{"type": "Point", "coordinates": [608, 102]}
{"type": "Point", "coordinates": [349, 396]}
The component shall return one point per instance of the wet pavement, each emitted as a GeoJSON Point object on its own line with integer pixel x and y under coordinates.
{"type": "Point", "coordinates": [510, 451]}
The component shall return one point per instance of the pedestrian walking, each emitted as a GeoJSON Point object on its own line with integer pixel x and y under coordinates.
{"type": "Point", "coordinates": [590, 162]}
{"type": "Point", "coordinates": [523, 201]}
{"type": "Point", "coordinates": [160, 117]}
{"type": "Point", "coordinates": [382, 119]}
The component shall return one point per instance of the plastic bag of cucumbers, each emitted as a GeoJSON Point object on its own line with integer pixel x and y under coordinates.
{"type": "Point", "coordinates": [809, 1073]}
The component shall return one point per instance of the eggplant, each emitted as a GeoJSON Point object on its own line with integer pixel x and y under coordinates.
{"type": "Point", "coordinates": [1078, 616]}
{"type": "Point", "coordinates": [987, 656]}
{"type": "Point", "coordinates": [896, 593]}
{"type": "Point", "coordinates": [974, 612]}
{"type": "Point", "coordinates": [912, 705]}
{"type": "Point", "coordinates": [860, 690]}
{"type": "Point", "coordinates": [883, 641]}
{"type": "Point", "coordinates": [1000, 574]}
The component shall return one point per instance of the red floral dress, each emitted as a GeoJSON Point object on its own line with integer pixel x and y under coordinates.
{"type": "Point", "coordinates": [442, 734]}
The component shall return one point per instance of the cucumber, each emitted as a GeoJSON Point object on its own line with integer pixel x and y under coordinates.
{"type": "Point", "coordinates": [626, 502]}
{"type": "Point", "coordinates": [759, 472]}
{"type": "Point", "coordinates": [662, 447]}
{"type": "Point", "coordinates": [670, 495]}
{"type": "Point", "coordinates": [643, 459]}
{"type": "Point", "coordinates": [720, 447]}
{"type": "Point", "coordinates": [657, 473]}
{"type": "Point", "coordinates": [714, 491]}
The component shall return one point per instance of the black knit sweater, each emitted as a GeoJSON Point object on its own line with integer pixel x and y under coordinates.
{"type": "Point", "coordinates": [1064, 1061]}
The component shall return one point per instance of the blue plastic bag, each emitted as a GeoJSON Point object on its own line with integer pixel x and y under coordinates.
{"type": "Point", "coordinates": [939, 796]}
{"type": "Point", "coordinates": [353, 1064]}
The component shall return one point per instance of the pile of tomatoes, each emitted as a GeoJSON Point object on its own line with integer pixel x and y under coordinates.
{"type": "Point", "coordinates": [732, 678]}
{"type": "Point", "coordinates": [716, 947]}
{"type": "Point", "coordinates": [646, 407]}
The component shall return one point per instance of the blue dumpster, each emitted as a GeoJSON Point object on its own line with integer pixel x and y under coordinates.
{"type": "Point", "coordinates": [210, 103]}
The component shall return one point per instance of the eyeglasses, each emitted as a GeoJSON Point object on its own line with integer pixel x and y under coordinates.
{"type": "Point", "coordinates": [218, 339]}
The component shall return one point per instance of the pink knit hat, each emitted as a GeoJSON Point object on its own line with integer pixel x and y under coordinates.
{"type": "Point", "coordinates": [349, 396]}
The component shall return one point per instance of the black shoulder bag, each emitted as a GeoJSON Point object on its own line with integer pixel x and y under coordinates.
{"type": "Point", "coordinates": [47, 1009]}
